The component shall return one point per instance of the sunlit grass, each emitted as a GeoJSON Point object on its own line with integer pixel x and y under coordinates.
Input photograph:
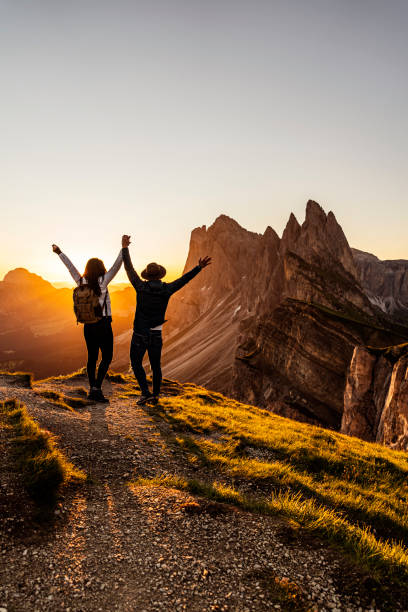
{"type": "Point", "coordinates": [65, 377]}
{"type": "Point", "coordinates": [61, 400]}
{"type": "Point", "coordinates": [43, 466]}
{"type": "Point", "coordinates": [346, 490]}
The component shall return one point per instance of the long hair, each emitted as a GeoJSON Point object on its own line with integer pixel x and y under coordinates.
{"type": "Point", "coordinates": [94, 269]}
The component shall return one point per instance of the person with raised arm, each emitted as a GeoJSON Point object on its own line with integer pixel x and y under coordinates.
{"type": "Point", "coordinates": [96, 315]}
{"type": "Point", "coordinates": [153, 296]}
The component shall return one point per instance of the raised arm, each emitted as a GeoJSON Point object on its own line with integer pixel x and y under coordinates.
{"type": "Point", "coordinates": [110, 274]}
{"type": "Point", "coordinates": [68, 263]}
{"type": "Point", "coordinates": [133, 276]}
{"type": "Point", "coordinates": [186, 278]}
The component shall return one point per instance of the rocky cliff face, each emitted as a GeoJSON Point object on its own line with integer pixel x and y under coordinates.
{"type": "Point", "coordinates": [385, 282]}
{"type": "Point", "coordinates": [274, 321]}
{"type": "Point", "coordinates": [376, 396]}
{"type": "Point", "coordinates": [293, 356]}
{"type": "Point", "coordinates": [204, 317]}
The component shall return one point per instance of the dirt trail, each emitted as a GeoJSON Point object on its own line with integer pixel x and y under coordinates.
{"type": "Point", "coordinates": [119, 547]}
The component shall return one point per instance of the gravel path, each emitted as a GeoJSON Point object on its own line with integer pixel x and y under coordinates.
{"type": "Point", "coordinates": [120, 547]}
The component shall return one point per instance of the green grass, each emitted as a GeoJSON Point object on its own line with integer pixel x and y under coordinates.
{"type": "Point", "coordinates": [343, 489]}
{"type": "Point", "coordinates": [43, 467]}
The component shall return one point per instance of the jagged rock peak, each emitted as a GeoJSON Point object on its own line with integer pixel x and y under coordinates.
{"type": "Point", "coordinates": [226, 223]}
{"type": "Point", "coordinates": [314, 212]}
{"type": "Point", "coordinates": [291, 232]}
{"type": "Point", "coordinates": [270, 233]}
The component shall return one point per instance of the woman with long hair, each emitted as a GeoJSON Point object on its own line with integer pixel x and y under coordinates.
{"type": "Point", "coordinates": [98, 336]}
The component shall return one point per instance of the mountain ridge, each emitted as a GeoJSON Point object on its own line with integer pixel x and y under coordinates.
{"type": "Point", "coordinates": [270, 300]}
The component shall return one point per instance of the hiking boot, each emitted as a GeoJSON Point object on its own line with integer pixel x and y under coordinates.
{"type": "Point", "coordinates": [144, 398]}
{"type": "Point", "coordinates": [99, 397]}
{"type": "Point", "coordinates": [155, 399]}
{"type": "Point", "coordinates": [92, 395]}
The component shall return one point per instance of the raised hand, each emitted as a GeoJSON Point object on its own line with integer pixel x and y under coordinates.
{"type": "Point", "coordinates": [56, 249]}
{"type": "Point", "coordinates": [203, 262]}
{"type": "Point", "coordinates": [125, 241]}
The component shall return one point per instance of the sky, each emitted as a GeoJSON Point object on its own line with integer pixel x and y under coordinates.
{"type": "Point", "coordinates": [153, 117]}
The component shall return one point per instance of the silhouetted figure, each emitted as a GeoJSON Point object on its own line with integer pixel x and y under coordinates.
{"type": "Point", "coordinates": [98, 335]}
{"type": "Point", "coordinates": [152, 299]}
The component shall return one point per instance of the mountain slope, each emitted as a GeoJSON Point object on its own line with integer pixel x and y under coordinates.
{"type": "Point", "coordinates": [165, 541]}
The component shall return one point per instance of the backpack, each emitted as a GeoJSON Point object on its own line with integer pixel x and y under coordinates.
{"type": "Point", "coordinates": [86, 304]}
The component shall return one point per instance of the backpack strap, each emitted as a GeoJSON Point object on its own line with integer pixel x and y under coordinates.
{"type": "Point", "coordinates": [104, 304]}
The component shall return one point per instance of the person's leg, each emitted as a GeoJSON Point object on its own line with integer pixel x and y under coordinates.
{"type": "Point", "coordinates": [106, 346]}
{"type": "Point", "coordinates": [154, 350]}
{"type": "Point", "coordinates": [138, 348]}
{"type": "Point", "coordinates": [91, 339]}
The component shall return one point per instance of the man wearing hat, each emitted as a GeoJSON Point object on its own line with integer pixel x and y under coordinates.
{"type": "Point", "coordinates": [152, 299]}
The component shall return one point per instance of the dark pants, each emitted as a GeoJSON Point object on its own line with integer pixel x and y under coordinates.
{"type": "Point", "coordinates": [98, 336]}
{"type": "Point", "coordinates": [152, 343]}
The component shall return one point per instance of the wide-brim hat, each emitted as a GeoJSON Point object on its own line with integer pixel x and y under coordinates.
{"type": "Point", "coordinates": [153, 271]}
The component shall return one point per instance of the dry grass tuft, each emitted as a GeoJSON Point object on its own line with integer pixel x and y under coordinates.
{"type": "Point", "coordinates": [43, 466]}
{"type": "Point", "coordinates": [66, 402]}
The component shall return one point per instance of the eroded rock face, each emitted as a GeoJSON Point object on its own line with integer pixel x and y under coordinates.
{"type": "Point", "coordinates": [393, 426]}
{"type": "Point", "coordinates": [359, 405]}
{"type": "Point", "coordinates": [376, 396]}
{"type": "Point", "coordinates": [274, 321]}
{"type": "Point", "coordinates": [385, 282]}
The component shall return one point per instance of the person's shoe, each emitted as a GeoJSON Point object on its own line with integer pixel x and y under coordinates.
{"type": "Point", "coordinates": [93, 394]}
{"type": "Point", "coordinates": [144, 398]}
{"type": "Point", "coordinates": [155, 399]}
{"type": "Point", "coordinates": [99, 397]}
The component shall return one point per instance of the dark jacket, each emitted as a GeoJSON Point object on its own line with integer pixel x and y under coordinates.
{"type": "Point", "coordinates": [152, 296]}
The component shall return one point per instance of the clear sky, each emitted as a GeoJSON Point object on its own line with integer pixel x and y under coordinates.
{"type": "Point", "coordinates": [153, 117]}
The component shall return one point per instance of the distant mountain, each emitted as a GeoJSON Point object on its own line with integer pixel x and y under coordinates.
{"type": "Point", "coordinates": [38, 330]}
{"type": "Point", "coordinates": [274, 321]}
{"type": "Point", "coordinates": [385, 282]}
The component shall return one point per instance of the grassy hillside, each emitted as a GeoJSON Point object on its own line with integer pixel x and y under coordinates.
{"type": "Point", "coordinates": [348, 491]}
{"type": "Point", "coordinates": [43, 466]}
